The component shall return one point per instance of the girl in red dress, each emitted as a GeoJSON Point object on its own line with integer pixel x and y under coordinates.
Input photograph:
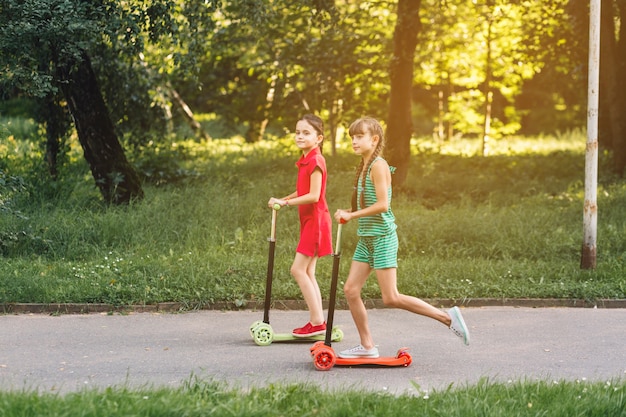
{"type": "Point", "coordinates": [315, 221]}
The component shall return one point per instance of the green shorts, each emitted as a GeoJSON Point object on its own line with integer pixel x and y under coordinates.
{"type": "Point", "coordinates": [380, 252]}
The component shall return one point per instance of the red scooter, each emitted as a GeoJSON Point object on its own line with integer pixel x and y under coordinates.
{"type": "Point", "coordinates": [324, 357]}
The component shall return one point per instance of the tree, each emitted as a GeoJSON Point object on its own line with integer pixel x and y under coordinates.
{"type": "Point", "coordinates": [44, 49]}
{"type": "Point", "coordinates": [50, 46]}
{"type": "Point", "coordinates": [613, 64]}
{"type": "Point", "coordinates": [482, 56]}
{"type": "Point", "coordinates": [271, 61]}
{"type": "Point", "coordinates": [553, 39]}
{"type": "Point", "coordinates": [116, 179]}
{"type": "Point", "coordinates": [399, 124]}
{"type": "Point", "coordinates": [612, 106]}
{"type": "Point", "coordinates": [56, 120]}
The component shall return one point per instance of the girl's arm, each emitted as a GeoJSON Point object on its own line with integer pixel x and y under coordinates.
{"type": "Point", "coordinates": [381, 178]}
{"type": "Point", "coordinates": [281, 201]}
{"type": "Point", "coordinates": [313, 196]}
{"type": "Point", "coordinates": [315, 191]}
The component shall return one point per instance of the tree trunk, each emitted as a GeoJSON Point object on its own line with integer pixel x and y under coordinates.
{"type": "Point", "coordinates": [115, 177]}
{"type": "Point", "coordinates": [253, 133]}
{"type": "Point", "coordinates": [613, 63]}
{"type": "Point", "coordinates": [189, 117]}
{"type": "Point", "coordinates": [57, 124]}
{"type": "Point", "coordinates": [269, 102]}
{"type": "Point", "coordinates": [488, 93]}
{"type": "Point", "coordinates": [450, 131]}
{"type": "Point", "coordinates": [334, 118]}
{"type": "Point", "coordinates": [439, 136]}
{"type": "Point", "coordinates": [399, 124]}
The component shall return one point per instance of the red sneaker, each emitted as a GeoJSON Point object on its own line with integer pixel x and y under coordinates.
{"type": "Point", "coordinates": [309, 330]}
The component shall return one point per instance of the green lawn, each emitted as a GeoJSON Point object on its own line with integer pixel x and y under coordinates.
{"type": "Point", "coordinates": [199, 398]}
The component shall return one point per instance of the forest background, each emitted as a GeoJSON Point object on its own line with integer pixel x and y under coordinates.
{"type": "Point", "coordinates": [184, 98]}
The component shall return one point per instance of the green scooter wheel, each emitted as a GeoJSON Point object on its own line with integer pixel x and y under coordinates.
{"type": "Point", "coordinates": [336, 334]}
{"type": "Point", "coordinates": [253, 327]}
{"type": "Point", "coordinates": [263, 334]}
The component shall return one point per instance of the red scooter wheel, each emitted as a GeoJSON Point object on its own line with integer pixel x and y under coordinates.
{"type": "Point", "coordinates": [316, 345]}
{"type": "Point", "coordinates": [406, 355]}
{"type": "Point", "coordinates": [324, 358]}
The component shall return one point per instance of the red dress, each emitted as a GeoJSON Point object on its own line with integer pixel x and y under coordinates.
{"type": "Point", "coordinates": [315, 222]}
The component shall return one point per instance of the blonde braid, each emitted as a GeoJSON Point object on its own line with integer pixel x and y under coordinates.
{"type": "Point", "coordinates": [355, 192]}
{"type": "Point", "coordinates": [360, 126]}
{"type": "Point", "coordinates": [377, 151]}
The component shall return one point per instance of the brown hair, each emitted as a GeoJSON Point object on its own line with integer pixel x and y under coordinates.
{"type": "Point", "coordinates": [318, 124]}
{"type": "Point", "coordinates": [373, 127]}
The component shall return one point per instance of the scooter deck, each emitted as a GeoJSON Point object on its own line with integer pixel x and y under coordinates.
{"type": "Point", "coordinates": [263, 335]}
{"type": "Point", "coordinates": [404, 360]}
{"type": "Point", "coordinates": [288, 337]}
{"type": "Point", "coordinates": [324, 358]}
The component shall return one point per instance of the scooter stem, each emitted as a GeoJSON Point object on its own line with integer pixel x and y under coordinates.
{"type": "Point", "coordinates": [270, 270]}
{"type": "Point", "coordinates": [333, 288]}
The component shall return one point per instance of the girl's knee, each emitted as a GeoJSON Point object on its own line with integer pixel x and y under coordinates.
{"type": "Point", "coordinates": [298, 272]}
{"type": "Point", "coordinates": [391, 300]}
{"type": "Point", "coordinates": [351, 291]}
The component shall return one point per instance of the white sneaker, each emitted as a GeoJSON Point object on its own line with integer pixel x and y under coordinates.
{"type": "Point", "coordinates": [359, 352]}
{"type": "Point", "coordinates": [458, 325]}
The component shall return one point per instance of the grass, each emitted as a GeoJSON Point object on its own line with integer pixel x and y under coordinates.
{"type": "Point", "coordinates": [201, 398]}
{"type": "Point", "coordinates": [508, 225]}
{"type": "Point", "coordinates": [504, 226]}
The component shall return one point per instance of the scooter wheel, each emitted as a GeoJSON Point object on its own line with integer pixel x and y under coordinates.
{"type": "Point", "coordinates": [337, 334]}
{"type": "Point", "coordinates": [315, 346]}
{"type": "Point", "coordinates": [324, 359]}
{"type": "Point", "coordinates": [263, 334]}
{"type": "Point", "coordinates": [253, 327]}
{"type": "Point", "coordinates": [407, 357]}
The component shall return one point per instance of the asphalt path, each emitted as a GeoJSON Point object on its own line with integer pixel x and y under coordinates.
{"type": "Point", "coordinates": [70, 353]}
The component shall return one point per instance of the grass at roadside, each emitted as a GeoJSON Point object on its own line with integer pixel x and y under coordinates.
{"type": "Point", "coordinates": [508, 225]}
{"type": "Point", "coordinates": [197, 398]}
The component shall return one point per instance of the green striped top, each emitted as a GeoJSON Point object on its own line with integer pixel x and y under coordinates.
{"type": "Point", "coordinates": [379, 224]}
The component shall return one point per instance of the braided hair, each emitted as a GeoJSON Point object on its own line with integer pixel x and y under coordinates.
{"type": "Point", "coordinates": [360, 127]}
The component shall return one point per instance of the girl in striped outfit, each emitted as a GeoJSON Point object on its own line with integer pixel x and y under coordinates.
{"type": "Point", "coordinates": [377, 247]}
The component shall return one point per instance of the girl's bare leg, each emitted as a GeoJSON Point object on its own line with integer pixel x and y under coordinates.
{"type": "Point", "coordinates": [387, 281]}
{"type": "Point", "coordinates": [359, 271]}
{"type": "Point", "coordinates": [303, 271]}
{"type": "Point", "coordinates": [316, 289]}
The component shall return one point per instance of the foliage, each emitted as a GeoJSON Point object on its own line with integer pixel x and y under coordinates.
{"type": "Point", "coordinates": [199, 398]}
{"type": "Point", "coordinates": [551, 29]}
{"type": "Point", "coordinates": [39, 36]}
{"type": "Point", "coordinates": [36, 33]}
{"type": "Point", "coordinates": [281, 59]}
{"type": "Point", "coordinates": [262, 64]}
{"type": "Point", "coordinates": [529, 42]}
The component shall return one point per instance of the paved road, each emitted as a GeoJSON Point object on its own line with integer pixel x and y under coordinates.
{"type": "Point", "coordinates": [72, 352]}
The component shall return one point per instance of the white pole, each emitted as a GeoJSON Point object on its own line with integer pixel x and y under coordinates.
{"type": "Point", "coordinates": [590, 208]}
